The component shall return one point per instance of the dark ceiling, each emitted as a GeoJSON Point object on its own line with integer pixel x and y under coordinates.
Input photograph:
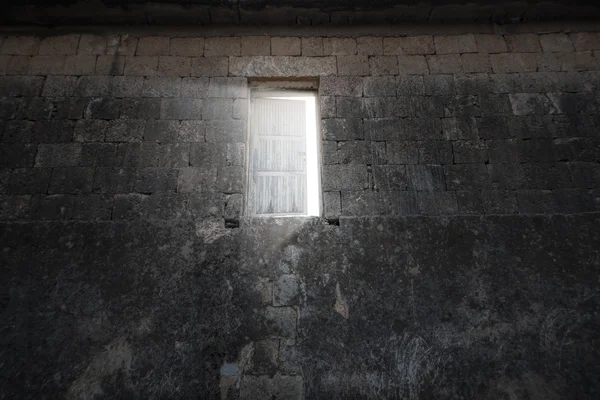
{"type": "Point", "coordinates": [289, 12]}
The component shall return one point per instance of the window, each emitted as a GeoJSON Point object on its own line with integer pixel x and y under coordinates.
{"type": "Point", "coordinates": [283, 167]}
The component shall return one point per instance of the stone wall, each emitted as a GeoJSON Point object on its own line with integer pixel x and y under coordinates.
{"type": "Point", "coordinates": [457, 255]}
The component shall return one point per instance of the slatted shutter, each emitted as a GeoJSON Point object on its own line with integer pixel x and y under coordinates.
{"type": "Point", "coordinates": [277, 156]}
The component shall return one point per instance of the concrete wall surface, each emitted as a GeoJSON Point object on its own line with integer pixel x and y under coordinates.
{"type": "Point", "coordinates": [457, 255]}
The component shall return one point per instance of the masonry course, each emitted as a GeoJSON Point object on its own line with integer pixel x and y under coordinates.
{"type": "Point", "coordinates": [460, 177]}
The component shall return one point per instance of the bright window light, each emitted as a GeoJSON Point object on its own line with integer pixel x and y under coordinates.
{"type": "Point", "coordinates": [283, 173]}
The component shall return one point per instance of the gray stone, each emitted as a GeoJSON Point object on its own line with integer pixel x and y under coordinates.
{"type": "Point", "coordinates": [286, 291]}
{"type": "Point", "coordinates": [344, 177]}
{"type": "Point", "coordinates": [72, 180]}
{"type": "Point", "coordinates": [149, 180]}
{"type": "Point", "coordinates": [181, 109]}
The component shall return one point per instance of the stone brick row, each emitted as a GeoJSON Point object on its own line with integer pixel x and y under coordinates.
{"type": "Point", "coordinates": [459, 202]}
{"type": "Point", "coordinates": [90, 44]}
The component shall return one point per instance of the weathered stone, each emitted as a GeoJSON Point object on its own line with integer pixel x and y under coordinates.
{"type": "Point", "coordinates": [186, 47]}
{"type": "Point", "coordinates": [58, 155]}
{"type": "Point", "coordinates": [92, 45]}
{"type": "Point", "coordinates": [339, 46]}
{"type": "Point", "coordinates": [210, 66]}
{"type": "Point", "coordinates": [342, 129]}
{"type": "Point", "coordinates": [369, 45]}
{"type": "Point", "coordinates": [341, 86]}
{"type": "Point", "coordinates": [222, 46]}
{"type": "Point", "coordinates": [487, 43]}
{"type": "Point", "coordinates": [352, 65]}
{"type": "Point", "coordinates": [174, 66]}
{"type": "Point", "coordinates": [444, 64]}
{"type": "Point", "coordinates": [282, 66]}
{"type": "Point", "coordinates": [523, 43]}
{"type": "Point", "coordinates": [312, 46]}
{"type": "Point", "coordinates": [21, 45]}
{"type": "Point", "coordinates": [408, 45]}
{"type": "Point", "coordinates": [149, 180]}
{"type": "Point", "coordinates": [72, 180]}
{"type": "Point", "coordinates": [455, 44]}
{"type": "Point", "coordinates": [180, 109]}
{"type": "Point", "coordinates": [59, 45]}
{"type": "Point", "coordinates": [286, 291]}
{"type": "Point", "coordinates": [379, 86]}
{"type": "Point", "coordinates": [344, 177]}
{"type": "Point", "coordinates": [153, 46]}
{"type": "Point", "coordinates": [558, 42]}
{"type": "Point", "coordinates": [256, 46]}
{"type": "Point", "coordinates": [286, 46]}
{"type": "Point", "coordinates": [383, 65]}
{"type": "Point", "coordinates": [141, 66]}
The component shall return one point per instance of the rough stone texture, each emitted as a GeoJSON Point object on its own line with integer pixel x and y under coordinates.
{"type": "Point", "coordinates": [457, 255]}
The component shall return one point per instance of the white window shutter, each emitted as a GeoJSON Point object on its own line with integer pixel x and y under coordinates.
{"type": "Point", "coordinates": [278, 156]}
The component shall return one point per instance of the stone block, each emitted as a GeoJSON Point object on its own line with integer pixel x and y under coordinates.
{"type": "Point", "coordinates": [369, 45]}
{"type": "Point", "coordinates": [161, 131]}
{"type": "Point", "coordinates": [466, 176]}
{"type": "Point", "coordinates": [128, 206]}
{"type": "Point", "coordinates": [231, 131]}
{"type": "Point", "coordinates": [136, 108]}
{"type": "Point", "coordinates": [194, 88]}
{"type": "Point", "coordinates": [14, 65]}
{"type": "Point", "coordinates": [149, 180]}
{"type": "Point", "coordinates": [584, 41]}
{"type": "Point", "coordinates": [266, 356]}
{"type": "Point", "coordinates": [21, 45]}
{"type": "Point", "coordinates": [187, 47]}
{"type": "Point", "coordinates": [222, 46]}
{"type": "Point", "coordinates": [16, 207]}
{"type": "Point", "coordinates": [513, 62]}
{"type": "Point", "coordinates": [18, 132]}
{"type": "Point", "coordinates": [535, 201]}
{"type": "Point", "coordinates": [444, 64]}
{"type": "Point", "coordinates": [469, 152]}
{"type": "Point", "coordinates": [377, 86]}
{"type": "Point", "coordinates": [92, 207]}
{"type": "Point", "coordinates": [59, 86]}
{"type": "Point", "coordinates": [507, 176]}
{"type": "Point", "coordinates": [437, 203]}
{"type": "Point", "coordinates": [210, 66]}
{"type": "Point", "coordinates": [52, 207]}
{"type": "Point", "coordinates": [362, 203]}
{"type": "Point", "coordinates": [475, 83]}
{"type": "Point", "coordinates": [153, 46]}
{"type": "Point", "coordinates": [71, 180]}
{"type": "Point", "coordinates": [191, 131]}
{"type": "Point", "coordinates": [121, 45]}
{"type": "Point", "coordinates": [197, 179]}
{"type": "Point", "coordinates": [327, 105]}
{"type": "Point", "coordinates": [460, 128]}
{"type": "Point", "coordinates": [353, 65]}
{"type": "Point", "coordinates": [401, 152]}
{"type": "Point", "coordinates": [59, 45]}
{"type": "Point", "coordinates": [29, 181]}
{"type": "Point", "coordinates": [523, 43]}
{"type": "Point", "coordinates": [469, 202]}
{"type": "Point", "coordinates": [240, 108]}
{"type": "Point", "coordinates": [127, 86]}
{"type": "Point", "coordinates": [57, 131]}
{"type": "Point", "coordinates": [344, 177]}
{"type": "Point", "coordinates": [233, 207]}
{"type": "Point", "coordinates": [256, 46]}
{"type": "Point", "coordinates": [411, 45]}
{"type": "Point", "coordinates": [462, 105]}
{"type": "Point", "coordinates": [90, 130]}
{"type": "Point", "coordinates": [425, 178]}
{"type": "Point", "coordinates": [341, 86]}
{"type": "Point", "coordinates": [174, 155]}
{"type": "Point", "coordinates": [161, 87]}
{"type": "Point", "coordinates": [230, 179]}
{"type": "Point", "coordinates": [11, 86]}
{"type": "Point", "coordinates": [47, 65]}
{"type": "Point", "coordinates": [93, 86]}
{"type": "Point", "coordinates": [113, 180]}
{"type": "Point", "coordinates": [286, 46]}
{"type": "Point", "coordinates": [102, 108]}
{"type": "Point", "coordinates": [505, 83]}
{"type": "Point", "coordinates": [556, 42]}
{"type": "Point", "coordinates": [228, 87]}
{"type": "Point", "coordinates": [174, 66]}
{"type": "Point", "coordinates": [141, 66]}
{"type": "Point", "coordinates": [217, 109]}
{"type": "Point", "coordinates": [165, 206]}
{"type": "Point", "coordinates": [338, 46]}
{"type": "Point", "coordinates": [342, 129]}
{"type": "Point", "coordinates": [331, 205]}
{"type": "Point", "coordinates": [354, 152]}
{"type": "Point", "coordinates": [280, 321]}
{"type": "Point", "coordinates": [129, 130]}
{"type": "Point", "coordinates": [410, 85]}
{"type": "Point", "coordinates": [475, 63]}
{"type": "Point", "coordinates": [385, 129]}
{"type": "Point", "coordinates": [312, 46]}
{"type": "Point", "coordinates": [455, 44]}
{"type": "Point", "coordinates": [382, 65]}
{"type": "Point", "coordinates": [388, 178]}
{"type": "Point", "coordinates": [286, 291]}
{"type": "Point", "coordinates": [58, 155]}
{"type": "Point", "coordinates": [282, 66]}
{"type": "Point", "coordinates": [180, 109]}
{"type": "Point", "coordinates": [490, 43]}
{"type": "Point", "coordinates": [382, 107]}
{"type": "Point", "coordinates": [92, 45]}
{"type": "Point", "coordinates": [438, 85]}
{"type": "Point", "coordinates": [534, 104]}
